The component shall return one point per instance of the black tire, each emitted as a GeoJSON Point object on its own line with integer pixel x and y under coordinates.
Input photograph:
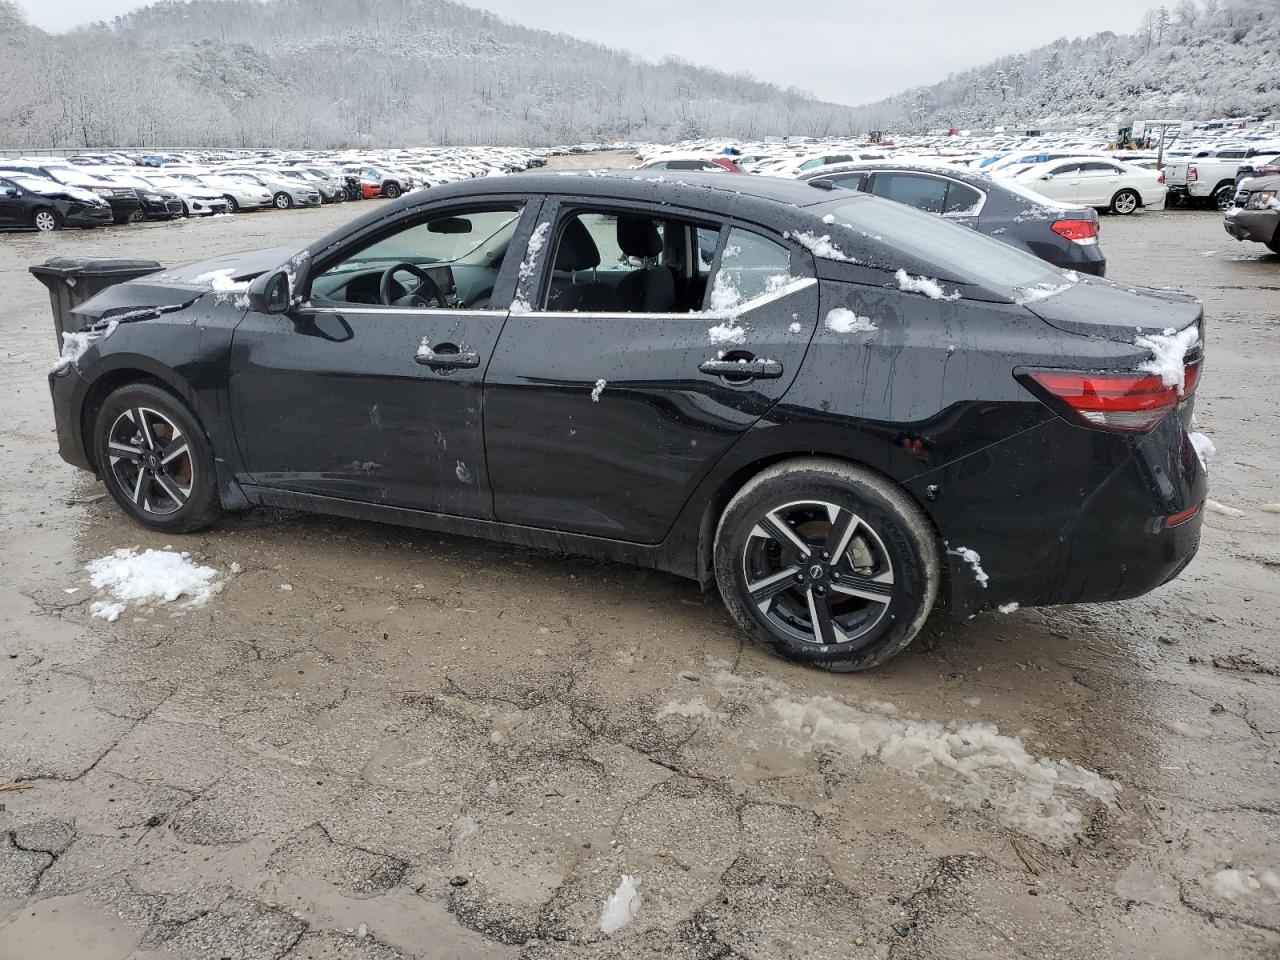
{"type": "Point", "coordinates": [46, 219]}
{"type": "Point", "coordinates": [232, 206]}
{"type": "Point", "coordinates": [890, 554]}
{"type": "Point", "coordinates": [282, 201]}
{"type": "Point", "coordinates": [140, 481]}
{"type": "Point", "coordinates": [1274, 243]}
{"type": "Point", "coordinates": [391, 191]}
{"type": "Point", "coordinates": [1224, 197]}
{"type": "Point", "coordinates": [1125, 202]}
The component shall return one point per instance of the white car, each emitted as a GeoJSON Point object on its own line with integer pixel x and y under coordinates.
{"type": "Point", "coordinates": [799, 165]}
{"type": "Point", "coordinates": [197, 199]}
{"type": "Point", "coordinates": [1098, 182]}
{"type": "Point", "coordinates": [239, 194]}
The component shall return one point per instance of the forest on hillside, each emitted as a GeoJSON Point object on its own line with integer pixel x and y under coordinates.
{"type": "Point", "coordinates": [1196, 60]}
{"type": "Point", "coordinates": [335, 73]}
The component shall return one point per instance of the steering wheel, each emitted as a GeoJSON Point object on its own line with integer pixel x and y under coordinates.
{"type": "Point", "coordinates": [427, 294]}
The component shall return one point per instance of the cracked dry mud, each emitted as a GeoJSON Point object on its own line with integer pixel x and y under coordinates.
{"type": "Point", "coordinates": [434, 747]}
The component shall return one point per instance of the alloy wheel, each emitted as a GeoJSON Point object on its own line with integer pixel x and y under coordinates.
{"type": "Point", "coordinates": [150, 460]}
{"type": "Point", "coordinates": [45, 221]}
{"type": "Point", "coordinates": [1225, 198]}
{"type": "Point", "coordinates": [1126, 203]}
{"type": "Point", "coordinates": [283, 201]}
{"type": "Point", "coordinates": [817, 572]}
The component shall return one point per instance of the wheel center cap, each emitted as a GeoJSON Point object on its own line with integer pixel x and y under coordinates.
{"type": "Point", "coordinates": [816, 571]}
{"type": "Point", "coordinates": [152, 461]}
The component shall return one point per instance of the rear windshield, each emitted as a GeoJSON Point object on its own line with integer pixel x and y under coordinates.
{"type": "Point", "coordinates": [956, 252]}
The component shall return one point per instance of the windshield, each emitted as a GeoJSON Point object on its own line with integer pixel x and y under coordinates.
{"type": "Point", "coordinates": [958, 253]}
{"type": "Point", "coordinates": [475, 238]}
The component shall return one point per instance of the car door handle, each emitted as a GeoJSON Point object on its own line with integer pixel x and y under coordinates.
{"type": "Point", "coordinates": [746, 368]}
{"type": "Point", "coordinates": [448, 355]}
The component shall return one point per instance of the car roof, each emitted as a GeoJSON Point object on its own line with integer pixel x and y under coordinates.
{"type": "Point", "coordinates": [712, 191]}
{"type": "Point", "coordinates": [865, 166]}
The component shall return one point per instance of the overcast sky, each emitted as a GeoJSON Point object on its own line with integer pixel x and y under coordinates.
{"type": "Point", "coordinates": [849, 51]}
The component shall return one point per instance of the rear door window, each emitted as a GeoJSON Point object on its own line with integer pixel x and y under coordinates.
{"type": "Point", "coordinates": [850, 181]}
{"type": "Point", "coordinates": [751, 266]}
{"type": "Point", "coordinates": [915, 190]}
{"type": "Point", "coordinates": [962, 200]}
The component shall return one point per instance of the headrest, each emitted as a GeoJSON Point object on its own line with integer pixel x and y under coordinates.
{"type": "Point", "coordinates": [639, 237]}
{"type": "Point", "coordinates": [577, 250]}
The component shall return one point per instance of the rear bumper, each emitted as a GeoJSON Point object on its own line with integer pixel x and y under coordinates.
{"type": "Point", "coordinates": [1260, 226]}
{"type": "Point", "coordinates": [1095, 530]}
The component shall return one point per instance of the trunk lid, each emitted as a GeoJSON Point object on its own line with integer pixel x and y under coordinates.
{"type": "Point", "coordinates": [1117, 311]}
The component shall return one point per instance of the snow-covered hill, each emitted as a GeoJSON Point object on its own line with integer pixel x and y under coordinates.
{"type": "Point", "coordinates": [1205, 58]}
{"type": "Point", "coordinates": [351, 72]}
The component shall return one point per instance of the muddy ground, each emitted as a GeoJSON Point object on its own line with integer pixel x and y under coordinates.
{"type": "Point", "coordinates": [434, 747]}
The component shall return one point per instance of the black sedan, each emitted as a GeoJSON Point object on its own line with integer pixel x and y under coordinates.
{"type": "Point", "coordinates": [850, 410]}
{"type": "Point", "coordinates": [1066, 236]}
{"type": "Point", "coordinates": [45, 205]}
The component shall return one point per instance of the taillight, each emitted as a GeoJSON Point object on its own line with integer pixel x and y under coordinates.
{"type": "Point", "coordinates": [1192, 174]}
{"type": "Point", "coordinates": [1125, 402]}
{"type": "Point", "coordinates": [1160, 179]}
{"type": "Point", "coordinates": [1081, 231]}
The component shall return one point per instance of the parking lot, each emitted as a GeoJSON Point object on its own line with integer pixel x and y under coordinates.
{"type": "Point", "coordinates": [381, 743]}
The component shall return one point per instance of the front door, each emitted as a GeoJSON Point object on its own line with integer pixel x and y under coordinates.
{"type": "Point", "coordinates": [653, 339]}
{"type": "Point", "coordinates": [371, 391]}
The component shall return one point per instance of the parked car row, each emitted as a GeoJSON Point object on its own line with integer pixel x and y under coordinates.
{"type": "Point", "coordinates": [99, 189]}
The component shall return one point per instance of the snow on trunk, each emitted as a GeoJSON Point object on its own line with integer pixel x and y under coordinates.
{"type": "Point", "coordinates": [1168, 354]}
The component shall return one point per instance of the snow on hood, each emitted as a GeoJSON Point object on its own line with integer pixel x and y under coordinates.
{"type": "Point", "coordinates": [51, 188]}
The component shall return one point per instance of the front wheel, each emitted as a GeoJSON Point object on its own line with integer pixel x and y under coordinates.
{"type": "Point", "coordinates": [827, 563]}
{"type": "Point", "coordinates": [232, 206]}
{"type": "Point", "coordinates": [1224, 198]}
{"type": "Point", "coordinates": [46, 221]}
{"type": "Point", "coordinates": [1125, 202]}
{"type": "Point", "coordinates": [283, 201]}
{"type": "Point", "coordinates": [155, 459]}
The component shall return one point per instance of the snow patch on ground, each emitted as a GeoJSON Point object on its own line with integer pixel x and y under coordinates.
{"type": "Point", "coordinates": [1169, 352]}
{"type": "Point", "coordinates": [622, 906]}
{"type": "Point", "coordinates": [929, 287]}
{"type": "Point", "coordinates": [1238, 882]}
{"type": "Point", "coordinates": [693, 709]}
{"type": "Point", "coordinates": [974, 560]}
{"type": "Point", "coordinates": [598, 389]}
{"type": "Point", "coordinates": [969, 765]}
{"type": "Point", "coordinates": [843, 320]}
{"type": "Point", "coordinates": [149, 577]}
{"type": "Point", "coordinates": [1008, 607]}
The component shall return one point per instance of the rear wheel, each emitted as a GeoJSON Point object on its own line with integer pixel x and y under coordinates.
{"type": "Point", "coordinates": [1224, 198]}
{"type": "Point", "coordinates": [155, 460]}
{"type": "Point", "coordinates": [827, 563]}
{"type": "Point", "coordinates": [46, 220]}
{"type": "Point", "coordinates": [391, 191]}
{"type": "Point", "coordinates": [1125, 202]}
{"type": "Point", "coordinates": [283, 201]}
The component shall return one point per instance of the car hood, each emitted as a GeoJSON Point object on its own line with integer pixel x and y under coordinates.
{"type": "Point", "coordinates": [1117, 311]}
{"type": "Point", "coordinates": [176, 287]}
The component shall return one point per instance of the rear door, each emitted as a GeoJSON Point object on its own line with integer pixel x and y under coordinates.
{"type": "Point", "coordinates": [1099, 182]}
{"type": "Point", "coordinates": [603, 420]}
